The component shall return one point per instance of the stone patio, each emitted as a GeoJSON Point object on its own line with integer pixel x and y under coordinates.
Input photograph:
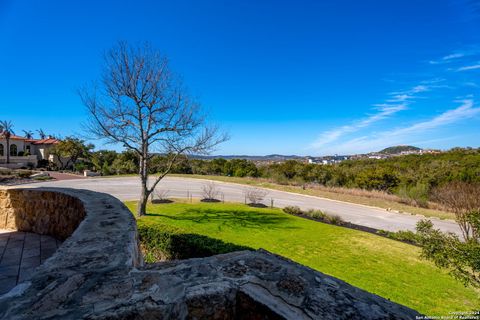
{"type": "Point", "coordinates": [20, 254]}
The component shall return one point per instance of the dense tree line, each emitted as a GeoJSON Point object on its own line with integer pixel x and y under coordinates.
{"type": "Point", "coordinates": [409, 176]}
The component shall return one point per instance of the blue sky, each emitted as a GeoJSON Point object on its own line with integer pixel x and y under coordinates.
{"type": "Point", "coordinates": [290, 77]}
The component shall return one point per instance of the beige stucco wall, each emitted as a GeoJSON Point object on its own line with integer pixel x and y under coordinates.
{"type": "Point", "coordinates": [19, 143]}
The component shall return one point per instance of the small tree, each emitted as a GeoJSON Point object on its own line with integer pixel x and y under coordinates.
{"type": "Point", "coordinates": [161, 196]}
{"type": "Point", "coordinates": [125, 163]}
{"type": "Point", "coordinates": [142, 105]}
{"type": "Point", "coordinates": [210, 191]}
{"type": "Point", "coordinates": [460, 256]}
{"type": "Point", "coordinates": [462, 199]}
{"type": "Point", "coordinates": [255, 195]}
{"type": "Point", "coordinates": [6, 130]}
{"type": "Point", "coordinates": [69, 150]}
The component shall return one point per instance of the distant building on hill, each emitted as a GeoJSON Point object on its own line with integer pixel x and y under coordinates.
{"type": "Point", "coordinates": [326, 160]}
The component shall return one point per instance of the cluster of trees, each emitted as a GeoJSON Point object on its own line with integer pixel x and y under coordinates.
{"type": "Point", "coordinates": [108, 162]}
{"type": "Point", "coordinates": [391, 175]}
{"type": "Point", "coordinates": [411, 176]}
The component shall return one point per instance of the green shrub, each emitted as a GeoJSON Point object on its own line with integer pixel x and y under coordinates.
{"type": "Point", "coordinates": [6, 172]}
{"type": "Point", "coordinates": [43, 163]}
{"type": "Point", "coordinates": [315, 214]}
{"type": "Point", "coordinates": [293, 210]}
{"type": "Point", "coordinates": [334, 219]}
{"type": "Point", "coordinates": [79, 166]}
{"type": "Point", "coordinates": [403, 235]}
{"type": "Point", "coordinates": [23, 173]}
{"type": "Point", "coordinates": [163, 242]}
{"type": "Point", "coordinates": [416, 195]}
{"type": "Point", "coordinates": [44, 178]}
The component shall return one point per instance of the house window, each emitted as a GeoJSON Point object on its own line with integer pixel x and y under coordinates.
{"type": "Point", "coordinates": [13, 150]}
{"type": "Point", "coordinates": [1, 150]}
{"type": "Point", "coordinates": [27, 149]}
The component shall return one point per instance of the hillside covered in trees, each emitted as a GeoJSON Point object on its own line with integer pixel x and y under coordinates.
{"type": "Point", "coordinates": [399, 149]}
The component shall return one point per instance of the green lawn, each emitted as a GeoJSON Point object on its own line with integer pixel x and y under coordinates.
{"type": "Point", "coordinates": [382, 266]}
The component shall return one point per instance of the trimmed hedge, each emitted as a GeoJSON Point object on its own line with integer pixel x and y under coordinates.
{"type": "Point", "coordinates": [161, 242]}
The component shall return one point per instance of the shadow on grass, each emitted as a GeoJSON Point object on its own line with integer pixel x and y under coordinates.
{"type": "Point", "coordinates": [231, 218]}
{"type": "Point", "coordinates": [161, 201]}
{"type": "Point", "coordinates": [159, 244]}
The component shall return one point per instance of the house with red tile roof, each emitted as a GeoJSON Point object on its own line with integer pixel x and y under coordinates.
{"type": "Point", "coordinates": [25, 152]}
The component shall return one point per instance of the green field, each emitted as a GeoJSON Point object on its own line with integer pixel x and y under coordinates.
{"type": "Point", "coordinates": [382, 266]}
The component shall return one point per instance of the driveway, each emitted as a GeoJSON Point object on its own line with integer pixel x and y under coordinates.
{"type": "Point", "coordinates": [128, 188]}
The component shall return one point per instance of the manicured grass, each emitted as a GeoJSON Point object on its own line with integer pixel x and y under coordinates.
{"type": "Point", "coordinates": [382, 266]}
{"type": "Point", "coordinates": [324, 193]}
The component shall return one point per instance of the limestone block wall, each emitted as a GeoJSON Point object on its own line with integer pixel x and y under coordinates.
{"type": "Point", "coordinates": [43, 212]}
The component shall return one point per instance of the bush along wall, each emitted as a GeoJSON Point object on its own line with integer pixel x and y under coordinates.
{"type": "Point", "coordinates": [161, 242]}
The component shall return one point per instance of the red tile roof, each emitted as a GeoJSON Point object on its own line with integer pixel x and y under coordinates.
{"type": "Point", "coordinates": [13, 137]}
{"type": "Point", "coordinates": [34, 141]}
{"type": "Point", "coordinates": [46, 141]}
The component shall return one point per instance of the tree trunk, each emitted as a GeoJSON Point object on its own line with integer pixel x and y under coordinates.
{"type": "Point", "coordinates": [144, 193]}
{"type": "Point", "coordinates": [8, 150]}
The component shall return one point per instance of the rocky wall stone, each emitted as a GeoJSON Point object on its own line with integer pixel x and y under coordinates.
{"type": "Point", "coordinates": [43, 212]}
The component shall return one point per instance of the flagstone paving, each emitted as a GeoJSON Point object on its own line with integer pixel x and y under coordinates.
{"type": "Point", "coordinates": [20, 254]}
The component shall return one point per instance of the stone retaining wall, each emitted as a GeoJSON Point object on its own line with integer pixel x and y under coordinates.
{"type": "Point", "coordinates": [43, 212]}
{"type": "Point", "coordinates": [98, 274]}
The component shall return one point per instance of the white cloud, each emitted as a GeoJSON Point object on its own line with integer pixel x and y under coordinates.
{"type": "Point", "coordinates": [420, 88]}
{"type": "Point", "coordinates": [400, 98]}
{"type": "Point", "coordinates": [407, 134]}
{"type": "Point", "coordinates": [453, 56]}
{"type": "Point", "coordinates": [464, 111]}
{"type": "Point", "coordinates": [448, 58]}
{"type": "Point", "coordinates": [472, 67]}
{"type": "Point", "coordinates": [471, 84]}
{"type": "Point", "coordinates": [433, 81]}
{"type": "Point", "coordinates": [385, 110]}
{"type": "Point", "coordinates": [399, 101]}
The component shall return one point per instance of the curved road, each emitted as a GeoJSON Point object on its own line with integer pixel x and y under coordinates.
{"type": "Point", "coordinates": [128, 188]}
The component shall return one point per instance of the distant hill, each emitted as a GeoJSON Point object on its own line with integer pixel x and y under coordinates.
{"type": "Point", "coordinates": [399, 149]}
{"type": "Point", "coordinates": [270, 157]}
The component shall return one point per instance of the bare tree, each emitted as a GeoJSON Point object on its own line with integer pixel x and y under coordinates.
{"type": "Point", "coordinates": [140, 104]}
{"type": "Point", "coordinates": [463, 199]}
{"type": "Point", "coordinates": [255, 195]}
{"type": "Point", "coordinates": [161, 194]}
{"type": "Point", "coordinates": [210, 191]}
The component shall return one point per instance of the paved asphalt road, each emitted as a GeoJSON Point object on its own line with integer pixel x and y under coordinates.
{"type": "Point", "coordinates": [127, 188]}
